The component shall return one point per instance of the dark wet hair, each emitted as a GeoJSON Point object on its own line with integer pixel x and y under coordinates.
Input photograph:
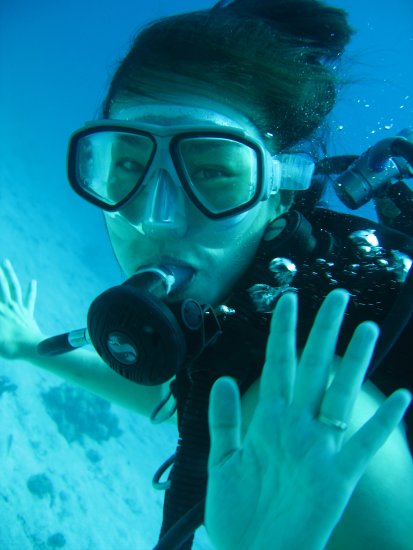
{"type": "Point", "coordinates": [274, 60]}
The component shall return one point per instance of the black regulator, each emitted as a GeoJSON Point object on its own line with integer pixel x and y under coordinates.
{"type": "Point", "coordinates": [138, 333]}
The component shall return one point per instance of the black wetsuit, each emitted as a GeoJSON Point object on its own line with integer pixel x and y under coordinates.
{"type": "Point", "coordinates": [373, 276]}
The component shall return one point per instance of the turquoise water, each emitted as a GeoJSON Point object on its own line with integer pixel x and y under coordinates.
{"type": "Point", "coordinates": [76, 472]}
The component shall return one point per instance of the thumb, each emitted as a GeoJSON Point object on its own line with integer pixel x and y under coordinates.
{"type": "Point", "coordinates": [224, 421]}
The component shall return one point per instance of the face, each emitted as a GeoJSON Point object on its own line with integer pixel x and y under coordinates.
{"type": "Point", "coordinates": [217, 250]}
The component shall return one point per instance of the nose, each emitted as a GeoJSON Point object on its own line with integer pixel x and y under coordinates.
{"type": "Point", "coordinates": [165, 206]}
{"type": "Point", "coordinates": [159, 209]}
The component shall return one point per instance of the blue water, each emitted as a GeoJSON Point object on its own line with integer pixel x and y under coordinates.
{"type": "Point", "coordinates": [56, 59]}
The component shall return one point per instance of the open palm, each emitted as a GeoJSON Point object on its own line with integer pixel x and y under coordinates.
{"type": "Point", "coordinates": [288, 482]}
{"type": "Point", "coordinates": [19, 330]}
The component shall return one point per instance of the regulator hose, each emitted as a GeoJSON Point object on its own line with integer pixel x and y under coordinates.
{"type": "Point", "coordinates": [189, 474]}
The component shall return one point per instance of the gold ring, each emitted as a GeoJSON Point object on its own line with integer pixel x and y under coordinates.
{"type": "Point", "coordinates": [338, 424]}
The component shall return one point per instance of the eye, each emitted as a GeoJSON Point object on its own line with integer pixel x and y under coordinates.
{"type": "Point", "coordinates": [129, 166]}
{"type": "Point", "coordinates": [208, 174]}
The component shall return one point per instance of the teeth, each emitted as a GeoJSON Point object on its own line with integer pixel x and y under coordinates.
{"type": "Point", "coordinates": [174, 276]}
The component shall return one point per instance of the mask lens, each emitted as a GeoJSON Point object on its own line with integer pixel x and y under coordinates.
{"type": "Point", "coordinates": [111, 164]}
{"type": "Point", "coordinates": [221, 173]}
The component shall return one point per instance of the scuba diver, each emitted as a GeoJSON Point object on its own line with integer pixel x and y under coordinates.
{"type": "Point", "coordinates": [208, 163]}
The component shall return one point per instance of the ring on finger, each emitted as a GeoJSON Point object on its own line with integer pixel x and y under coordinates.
{"type": "Point", "coordinates": [333, 422]}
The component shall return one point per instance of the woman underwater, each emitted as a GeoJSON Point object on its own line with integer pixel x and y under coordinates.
{"type": "Point", "coordinates": [181, 162]}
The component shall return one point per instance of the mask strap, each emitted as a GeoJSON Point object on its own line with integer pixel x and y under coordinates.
{"type": "Point", "coordinates": [296, 171]}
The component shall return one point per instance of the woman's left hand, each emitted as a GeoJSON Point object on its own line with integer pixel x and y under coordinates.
{"type": "Point", "coordinates": [288, 482]}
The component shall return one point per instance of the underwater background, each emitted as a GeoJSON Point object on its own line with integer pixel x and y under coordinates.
{"type": "Point", "coordinates": [76, 471]}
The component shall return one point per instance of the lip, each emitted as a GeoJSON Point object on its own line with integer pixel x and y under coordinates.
{"type": "Point", "coordinates": [169, 261]}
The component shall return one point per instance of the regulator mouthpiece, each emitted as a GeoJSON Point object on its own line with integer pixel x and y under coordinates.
{"type": "Point", "coordinates": [161, 280]}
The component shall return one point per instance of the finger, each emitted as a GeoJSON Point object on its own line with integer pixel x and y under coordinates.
{"type": "Point", "coordinates": [30, 300]}
{"type": "Point", "coordinates": [364, 444]}
{"type": "Point", "coordinates": [13, 282]}
{"type": "Point", "coordinates": [313, 370]}
{"type": "Point", "coordinates": [224, 420]}
{"type": "Point", "coordinates": [4, 287]}
{"type": "Point", "coordinates": [340, 397]}
{"type": "Point", "coordinates": [278, 374]}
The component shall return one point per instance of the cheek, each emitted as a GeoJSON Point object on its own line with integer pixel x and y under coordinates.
{"type": "Point", "coordinates": [124, 239]}
{"type": "Point", "coordinates": [243, 232]}
{"type": "Point", "coordinates": [225, 267]}
{"type": "Point", "coordinates": [238, 249]}
{"type": "Point", "coordinates": [242, 251]}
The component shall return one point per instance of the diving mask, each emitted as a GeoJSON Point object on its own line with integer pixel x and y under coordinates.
{"type": "Point", "coordinates": [223, 168]}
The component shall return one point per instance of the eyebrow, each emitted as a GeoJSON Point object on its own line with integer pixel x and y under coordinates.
{"type": "Point", "coordinates": [130, 139]}
{"type": "Point", "coordinates": [208, 145]}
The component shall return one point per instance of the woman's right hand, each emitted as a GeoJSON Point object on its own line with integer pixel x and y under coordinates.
{"type": "Point", "coordinates": [19, 332]}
